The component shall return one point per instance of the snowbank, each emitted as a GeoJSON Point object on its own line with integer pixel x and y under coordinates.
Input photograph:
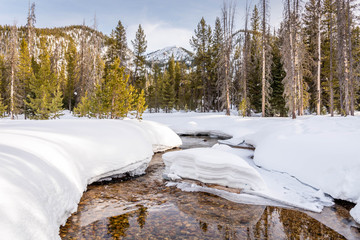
{"type": "Point", "coordinates": [46, 166]}
{"type": "Point", "coordinates": [213, 166]}
{"type": "Point", "coordinates": [233, 168]}
{"type": "Point", "coordinates": [319, 151]}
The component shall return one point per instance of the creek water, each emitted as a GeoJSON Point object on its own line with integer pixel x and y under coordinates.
{"type": "Point", "coordinates": [145, 208]}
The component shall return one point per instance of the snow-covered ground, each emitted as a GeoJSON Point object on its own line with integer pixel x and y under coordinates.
{"type": "Point", "coordinates": [47, 165]}
{"type": "Point", "coordinates": [318, 152]}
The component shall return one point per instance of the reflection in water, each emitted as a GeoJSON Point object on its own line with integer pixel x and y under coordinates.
{"type": "Point", "coordinates": [144, 208]}
{"type": "Point", "coordinates": [141, 219]}
{"type": "Point", "coordinates": [118, 226]}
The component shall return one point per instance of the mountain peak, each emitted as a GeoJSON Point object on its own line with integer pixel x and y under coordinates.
{"type": "Point", "coordinates": [163, 55]}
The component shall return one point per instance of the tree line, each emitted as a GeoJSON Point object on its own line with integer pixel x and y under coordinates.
{"type": "Point", "coordinates": [44, 71]}
{"type": "Point", "coordinates": [310, 64]}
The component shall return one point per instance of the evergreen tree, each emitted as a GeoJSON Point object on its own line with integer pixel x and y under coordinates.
{"type": "Point", "coordinates": [139, 45]}
{"type": "Point", "coordinates": [118, 45]}
{"type": "Point", "coordinates": [3, 78]}
{"type": "Point", "coordinates": [140, 105]}
{"type": "Point", "coordinates": [83, 109]}
{"type": "Point", "coordinates": [155, 89]}
{"type": "Point", "coordinates": [177, 80]}
{"type": "Point", "coordinates": [45, 100]}
{"type": "Point", "coordinates": [217, 41]}
{"type": "Point", "coordinates": [168, 90]}
{"type": "Point", "coordinates": [201, 43]}
{"type": "Point", "coordinates": [254, 81]}
{"type": "Point", "coordinates": [25, 73]}
{"type": "Point", "coordinates": [312, 33]}
{"type": "Point", "coordinates": [277, 101]}
{"type": "Point", "coordinates": [331, 97]}
{"type": "Point", "coordinates": [72, 74]}
{"type": "Point", "coordinates": [3, 107]}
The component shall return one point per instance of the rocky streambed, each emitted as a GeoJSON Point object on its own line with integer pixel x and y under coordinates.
{"type": "Point", "coordinates": [145, 208]}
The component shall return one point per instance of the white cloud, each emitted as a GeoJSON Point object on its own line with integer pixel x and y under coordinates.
{"type": "Point", "coordinates": [160, 35]}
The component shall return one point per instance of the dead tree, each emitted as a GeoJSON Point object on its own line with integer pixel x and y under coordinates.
{"type": "Point", "coordinates": [265, 57]}
{"type": "Point", "coordinates": [228, 15]}
{"type": "Point", "coordinates": [12, 58]}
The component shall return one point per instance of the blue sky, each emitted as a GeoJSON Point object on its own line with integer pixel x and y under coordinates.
{"type": "Point", "coordinates": [166, 22]}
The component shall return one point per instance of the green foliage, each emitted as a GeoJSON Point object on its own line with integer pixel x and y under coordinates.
{"type": "Point", "coordinates": [243, 108]}
{"type": "Point", "coordinates": [25, 73]}
{"type": "Point", "coordinates": [84, 107]}
{"type": "Point", "coordinates": [254, 76]}
{"type": "Point", "coordinates": [45, 98]}
{"type": "Point", "coordinates": [140, 45]}
{"type": "Point", "coordinates": [168, 90]}
{"type": "Point", "coordinates": [117, 45]}
{"type": "Point", "coordinates": [2, 107]}
{"type": "Point", "coordinates": [71, 58]}
{"type": "Point", "coordinates": [201, 42]}
{"type": "Point", "coordinates": [140, 105]}
{"type": "Point", "coordinates": [277, 100]}
{"type": "Point", "coordinates": [113, 97]}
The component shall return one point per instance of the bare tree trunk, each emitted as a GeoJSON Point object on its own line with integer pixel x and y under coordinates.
{"type": "Point", "coordinates": [12, 101]}
{"type": "Point", "coordinates": [351, 77]}
{"type": "Point", "coordinates": [263, 80]}
{"type": "Point", "coordinates": [245, 61]}
{"type": "Point", "coordinates": [228, 12]}
{"type": "Point", "coordinates": [293, 82]}
{"type": "Point", "coordinates": [331, 64]}
{"type": "Point", "coordinates": [12, 58]}
{"type": "Point", "coordinates": [318, 82]}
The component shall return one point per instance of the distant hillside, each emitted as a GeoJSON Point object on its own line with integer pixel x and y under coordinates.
{"type": "Point", "coordinates": [162, 56]}
{"type": "Point", "coordinates": [58, 39]}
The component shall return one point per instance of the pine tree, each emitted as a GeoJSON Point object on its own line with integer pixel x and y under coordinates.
{"type": "Point", "coordinates": [140, 105]}
{"type": "Point", "coordinates": [217, 41]}
{"type": "Point", "coordinates": [45, 100]}
{"type": "Point", "coordinates": [139, 45]}
{"type": "Point", "coordinates": [157, 85]}
{"type": "Point", "coordinates": [329, 64]}
{"type": "Point", "coordinates": [254, 76]}
{"type": "Point", "coordinates": [72, 74]}
{"type": "Point", "coordinates": [312, 22]}
{"type": "Point", "coordinates": [277, 101]}
{"type": "Point", "coordinates": [168, 91]}
{"type": "Point", "coordinates": [83, 109]}
{"type": "Point", "coordinates": [3, 107]}
{"type": "Point", "coordinates": [25, 73]}
{"type": "Point", "coordinates": [201, 43]}
{"type": "Point", "coordinates": [118, 45]}
{"type": "Point", "coordinates": [177, 80]}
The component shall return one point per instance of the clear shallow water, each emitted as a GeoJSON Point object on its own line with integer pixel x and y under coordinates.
{"type": "Point", "coordinates": [144, 208]}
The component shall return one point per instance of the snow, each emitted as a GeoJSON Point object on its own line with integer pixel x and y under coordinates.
{"type": "Point", "coordinates": [316, 151]}
{"type": "Point", "coordinates": [163, 55]}
{"type": "Point", "coordinates": [213, 166]}
{"type": "Point", "coordinates": [234, 168]}
{"type": "Point", "coordinates": [47, 165]}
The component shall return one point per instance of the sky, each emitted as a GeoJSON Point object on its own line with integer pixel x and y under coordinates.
{"type": "Point", "coordinates": [165, 22]}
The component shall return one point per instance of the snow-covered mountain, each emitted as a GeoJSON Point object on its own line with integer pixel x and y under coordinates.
{"type": "Point", "coordinates": [162, 56]}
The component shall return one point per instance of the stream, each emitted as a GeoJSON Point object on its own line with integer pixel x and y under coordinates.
{"type": "Point", "coordinates": [145, 208]}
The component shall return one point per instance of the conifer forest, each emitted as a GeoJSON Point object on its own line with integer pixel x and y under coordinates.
{"type": "Point", "coordinates": [310, 64]}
